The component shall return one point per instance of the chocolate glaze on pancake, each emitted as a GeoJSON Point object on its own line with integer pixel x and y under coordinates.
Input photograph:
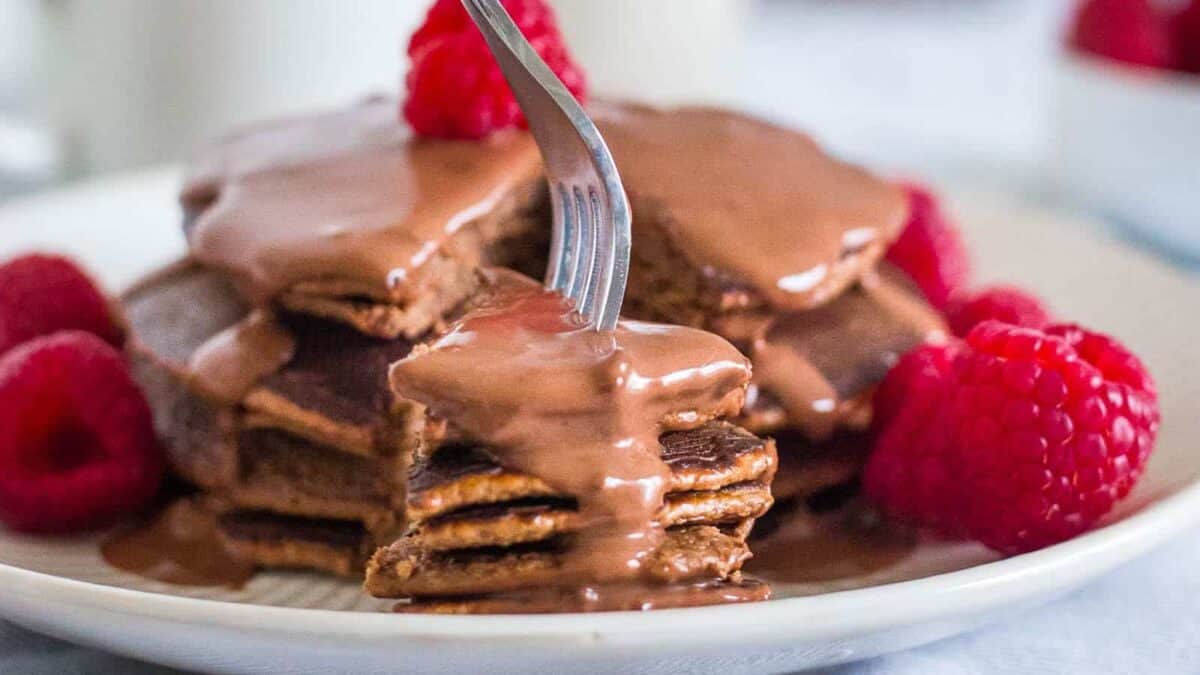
{"type": "Point", "coordinates": [349, 197]}
{"type": "Point", "coordinates": [580, 410]}
{"type": "Point", "coordinates": [757, 204]}
{"type": "Point", "coordinates": [817, 363]}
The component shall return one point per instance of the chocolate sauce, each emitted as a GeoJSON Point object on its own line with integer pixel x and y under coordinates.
{"type": "Point", "coordinates": [850, 542]}
{"type": "Point", "coordinates": [820, 362]}
{"type": "Point", "coordinates": [178, 546]}
{"type": "Point", "coordinates": [230, 363]}
{"type": "Point", "coordinates": [349, 196]}
{"type": "Point", "coordinates": [752, 201]}
{"type": "Point", "coordinates": [579, 409]}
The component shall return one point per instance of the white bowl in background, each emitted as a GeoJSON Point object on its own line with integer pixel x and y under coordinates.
{"type": "Point", "coordinates": [1128, 146]}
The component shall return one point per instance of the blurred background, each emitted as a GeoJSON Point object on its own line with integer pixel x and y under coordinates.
{"type": "Point", "coordinates": [975, 92]}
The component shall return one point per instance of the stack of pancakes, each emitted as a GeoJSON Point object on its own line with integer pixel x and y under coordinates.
{"type": "Point", "coordinates": [354, 243]}
{"type": "Point", "coordinates": [506, 508]}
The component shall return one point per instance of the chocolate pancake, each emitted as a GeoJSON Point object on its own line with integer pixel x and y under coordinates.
{"type": "Point", "coordinates": [332, 389]}
{"type": "Point", "coordinates": [709, 457]}
{"type": "Point", "coordinates": [276, 541]}
{"type": "Point", "coordinates": [734, 213]}
{"type": "Point", "coordinates": [815, 370]}
{"type": "Point", "coordinates": [170, 315]}
{"type": "Point", "coordinates": [595, 599]}
{"type": "Point", "coordinates": [289, 475]}
{"type": "Point", "coordinates": [808, 468]}
{"type": "Point", "coordinates": [408, 569]}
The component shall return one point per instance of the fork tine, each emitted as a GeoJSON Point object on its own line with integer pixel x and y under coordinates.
{"type": "Point", "coordinates": [562, 240]}
{"type": "Point", "coordinates": [578, 290]}
{"type": "Point", "coordinates": [601, 275]}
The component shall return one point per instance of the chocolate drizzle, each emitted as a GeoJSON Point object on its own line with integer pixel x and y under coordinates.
{"type": "Point", "coordinates": [178, 546]}
{"type": "Point", "coordinates": [230, 363]}
{"type": "Point", "coordinates": [581, 410]}
{"type": "Point", "coordinates": [821, 362]}
{"type": "Point", "coordinates": [348, 197]}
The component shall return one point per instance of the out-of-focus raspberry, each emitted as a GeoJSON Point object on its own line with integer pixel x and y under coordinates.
{"type": "Point", "coordinates": [41, 294]}
{"type": "Point", "coordinates": [1130, 31]}
{"type": "Point", "coordinates": [77, 445]}
{"type": "Point", "coordinates": [930, 249]}
{"type": "Point", "coordinates": [1001, 303]}
{"type": "Point", "coordinates": [455, 87]}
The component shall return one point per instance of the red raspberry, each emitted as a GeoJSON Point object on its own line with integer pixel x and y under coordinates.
{"type": "Point", "coordinates": [1185, 33]}
{"type": "Point", "coordinates": [1130, 31]}
{"type": "Point", "coordinates": [1002, 303]}
{"type": "Point", "coordinates": [1030, 440]}
{"type": "Point", "coordinates": [41, 294]}
{"type": "Point", "coordinates": [906, 474]}
{"type": "Point", "coordinates": [455, 87]}
{"type": "Point", "coordinates": [77, 445]}
{"type": "Point", "coordinates": [930, 249]}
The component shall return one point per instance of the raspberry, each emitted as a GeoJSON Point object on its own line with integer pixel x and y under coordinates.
{"type": "Point", "coordinates": [906, 474]}
{"type": "Point", "coordinates": [77, 445]}
{"type": "Point", "coordinates": [1031, 439]}
{"type": "Point", "coordinates": [41, 294]}
{"type": "Point", "coordinates": [1002, 303]}
{"type": "Point", "coordinates": [1185, 33]}
{"type": "Point", "coordinates": [455, 87]}
{"type": "Point", "coordinates": [930, 249]}
{"type": "Point", "coordinates": [1129, 31]}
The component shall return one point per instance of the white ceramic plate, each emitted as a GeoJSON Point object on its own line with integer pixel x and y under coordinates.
{"type": "Point", "coordinates": [310, 624]}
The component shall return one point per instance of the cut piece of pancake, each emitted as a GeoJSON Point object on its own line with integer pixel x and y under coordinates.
{"type": "Point", "coordinates": [479, 528]}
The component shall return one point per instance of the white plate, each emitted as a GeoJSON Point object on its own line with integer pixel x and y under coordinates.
{"type": "Point", "coordinates": [304, 623]}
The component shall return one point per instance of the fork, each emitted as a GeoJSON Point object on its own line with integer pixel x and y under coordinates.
{"type": "Point", "coordinates": [590, 243]}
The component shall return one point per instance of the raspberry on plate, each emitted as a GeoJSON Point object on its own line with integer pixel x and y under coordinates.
{"type": "Point", "coordinates": [1031, 438]}
{"type": "Point", "coordinates": [77, 444]}
{"type": "Point", "coordinates": [930, 249]}
{"type": "Point", "coordinates": [1001, 303]}
{"type": "Point", "coordinates": [1185, 36]}
{"type": "Point", "coordinates": [455, 87]}
{"type": "Point", "coordinates": [1129, 31]}
{"type": "Point", "coordinates": [41, 294]}
{"type": "Point", "coordinates": [906, 474]}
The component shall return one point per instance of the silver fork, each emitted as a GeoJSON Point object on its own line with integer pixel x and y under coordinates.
{"type": "Point", "coordinates": [589, 247]}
